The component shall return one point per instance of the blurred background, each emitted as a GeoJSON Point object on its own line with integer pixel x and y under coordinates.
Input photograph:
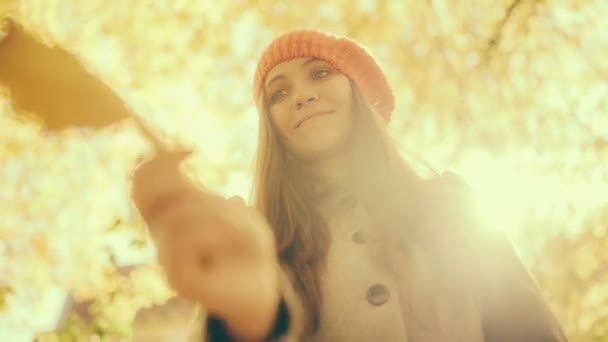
{"type": "Point", "coordinates": [512, 95]}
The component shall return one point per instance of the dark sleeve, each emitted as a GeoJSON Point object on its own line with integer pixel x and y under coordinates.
{"type": "Point", "coordinates": [289, 320]}
{"type": "Point", "coordinates": [217, 332]}
{"type": "Point", "coordinates": [513, 308]}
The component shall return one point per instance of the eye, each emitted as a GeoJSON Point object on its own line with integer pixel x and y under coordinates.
{"type": "Point", "coordinates": [321, 73]}
{"type": "Point", "coordinates": [278, 95]}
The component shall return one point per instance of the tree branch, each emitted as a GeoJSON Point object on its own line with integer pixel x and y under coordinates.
{"type": "Point", "coordinates": [495, 39]}
{"type": "Point", "coordinates": [497, 36]}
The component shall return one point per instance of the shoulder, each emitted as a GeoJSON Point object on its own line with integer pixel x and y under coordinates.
{"type": "Point", "coordinates": [449, 204]}
{"type": "Point", "coordinates": [448, 190]}
{"type": "Point", "coordinates": [447, 207]}
{"type": "Point", "coordinates": [449, 182]}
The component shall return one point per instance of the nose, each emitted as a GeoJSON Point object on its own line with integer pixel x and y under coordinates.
{"type": "Point", "coordinates": [305, 97]}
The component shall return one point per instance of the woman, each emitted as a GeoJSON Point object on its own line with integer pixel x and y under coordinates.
{"type": "Point", "coordinates": [346, 242]}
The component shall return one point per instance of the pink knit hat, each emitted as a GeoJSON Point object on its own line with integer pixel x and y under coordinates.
{"type": "Point", "coordinates": [346, 55]}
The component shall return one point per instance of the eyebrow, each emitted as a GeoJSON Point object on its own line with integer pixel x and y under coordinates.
{"type": "Point", "coordinates": [304, 64]}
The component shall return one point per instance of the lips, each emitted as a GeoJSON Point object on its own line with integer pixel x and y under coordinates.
{"type": "Point", "coordinates": [310, 116]}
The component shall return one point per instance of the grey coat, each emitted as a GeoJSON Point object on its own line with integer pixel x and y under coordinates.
{"type": "Point", "coordinates": [364, 301]}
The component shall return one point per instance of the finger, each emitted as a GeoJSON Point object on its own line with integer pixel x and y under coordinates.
{"type": "Point", "coordinates": [163, 161]}
{"type": "Point", "coordinates": [176, 264]}
{"type": "Point", "coordinates": [232, 283]}
{"type": "Point", "coordinates": [156, 186]}
{"type": "Point", "coordinates": [237, 200]}
{"type": "Point", "coordinates": [181, 246]}
{"type": "Point", "coordinates": [188, 216]}
{"type": "Point", "coordinates": [194, 264]}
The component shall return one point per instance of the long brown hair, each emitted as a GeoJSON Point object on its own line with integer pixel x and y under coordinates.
{"type": "Point", "coordinates": [380, 176]}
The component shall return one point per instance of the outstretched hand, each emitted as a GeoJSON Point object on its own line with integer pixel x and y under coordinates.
{"type": "Point", "coordinates": [216, 252]}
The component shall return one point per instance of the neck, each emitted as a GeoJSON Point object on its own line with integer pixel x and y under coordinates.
{"type": "Point", "coordinates": [331, 170]}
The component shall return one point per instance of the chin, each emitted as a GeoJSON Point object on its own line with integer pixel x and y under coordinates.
{"type": "Point", "coordinates": [320, 147]}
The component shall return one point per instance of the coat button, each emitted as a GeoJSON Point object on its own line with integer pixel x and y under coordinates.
{"type": "Point", "coordinates": [378, 294]}
{"type": "Point", "coordinates": [348, 202]}
{"type": "Point", "coordinates": [359, 237]}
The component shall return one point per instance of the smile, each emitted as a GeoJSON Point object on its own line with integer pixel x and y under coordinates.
{"type": "Point", "coordinates": [311, 116]}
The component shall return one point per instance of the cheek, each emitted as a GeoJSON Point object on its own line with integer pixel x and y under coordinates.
{"type": "Point", "coordinates": [280, 121]}
{"type": "Point", "coordinates": [340, 91]}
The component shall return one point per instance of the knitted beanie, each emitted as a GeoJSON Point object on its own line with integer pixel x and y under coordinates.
{"type": "Point", "coordinates": [345, 55]}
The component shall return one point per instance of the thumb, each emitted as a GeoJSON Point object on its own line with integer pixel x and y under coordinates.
{"type": "Point", "coordinates": [181, 156]}
{"type": "Point", "coordinates": [237, 200]}
{"type": "Point", "coordinates": [163, 158]}
{"type": "Point", "coordinates": [174, 156]}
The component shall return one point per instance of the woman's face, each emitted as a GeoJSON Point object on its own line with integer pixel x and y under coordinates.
{"type": "Point", "coordinates": [310, 105]}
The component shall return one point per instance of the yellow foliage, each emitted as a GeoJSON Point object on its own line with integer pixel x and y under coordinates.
{"type": "Point", "coordinates": [510, 94]}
